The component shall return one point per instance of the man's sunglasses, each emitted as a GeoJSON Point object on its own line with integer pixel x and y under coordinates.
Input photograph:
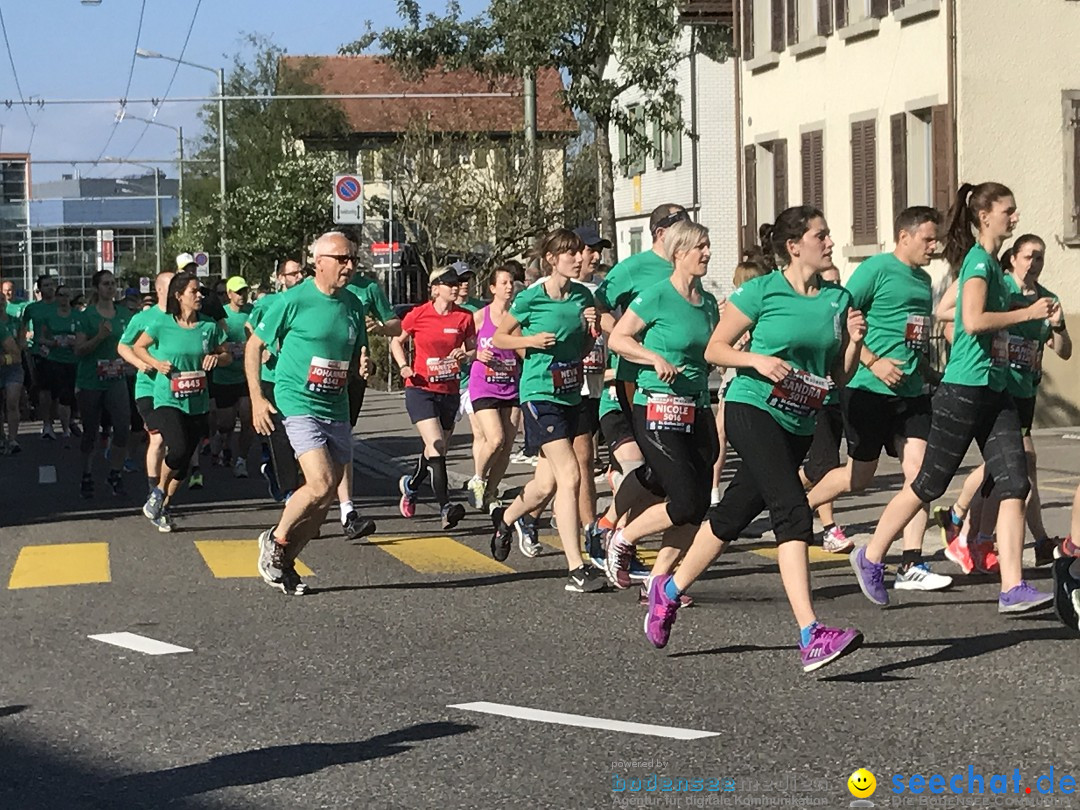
{"type": "Point", "coordinates": [671, 219]}
{"type": "Point", "coordinates": [340, 258]}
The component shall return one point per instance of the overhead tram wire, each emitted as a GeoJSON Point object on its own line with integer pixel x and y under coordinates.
{"type": "Point", "coordinates": [41, 103]}
{"type": "Point", "coordinates": [176, 69]}
{"type": "Point", "coordinates": [18, 86]}
{"type": "Point", "coordinates": [127, 89]}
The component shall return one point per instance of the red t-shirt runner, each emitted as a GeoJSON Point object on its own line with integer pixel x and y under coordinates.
{"type": "Point", "coordinates": [434, 337]}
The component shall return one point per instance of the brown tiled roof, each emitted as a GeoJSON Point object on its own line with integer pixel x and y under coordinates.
{"type": "Point", "coordinates": [374, 74]}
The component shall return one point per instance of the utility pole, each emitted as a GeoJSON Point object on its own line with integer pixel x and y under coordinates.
{"type": "Point", "coordinates": [221, 167]}
{"type": "Point", "coordinates": [532, 173]}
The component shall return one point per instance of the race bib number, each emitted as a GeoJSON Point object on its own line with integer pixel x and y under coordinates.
{"type": "Point", "coordinates": [110, 369]}
{"type": "Point", "coordinates": [187, 384]}
{"type": "Point", "coordinates": [565, 377]}
{"type": "Point", "coordinates": [799, 393]}
{"type": "Point", "coordinates": [327, 376]}
{"type": "Point", "coordinates": [1023, 354]}
{"type": "Point", "coordinates": [999, 349]}
{"type": "Point", "coordinates": [594, 361]}
{"type": "Point", "coordinates": [442, 369]}
{"type": "Point", "coordinates": [670, 413]}
{"type": "Point", "coordinates": [501, 371]}
{"type": "Point", "coordinates": [65, 341]}
{"type": "Point", "coordinates": [917, 333]}
{"type": "Point", "coordinates": [237, 351]}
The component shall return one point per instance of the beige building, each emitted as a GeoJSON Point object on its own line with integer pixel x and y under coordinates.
{"type": "Point", "coordinates": [864, 107]}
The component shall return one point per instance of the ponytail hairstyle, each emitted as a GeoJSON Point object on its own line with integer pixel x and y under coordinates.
{"type": "Point", "coordinates": [1006, 258]}
{"type": "Point", "coordinates": [963, 218]}
{"type": "Point", "coordinates": [791, 224]}
{"type": "Point", "coordinates": [556, 242]}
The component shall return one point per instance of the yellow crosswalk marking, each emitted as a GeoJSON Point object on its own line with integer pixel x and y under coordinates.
{"type": "Point", "coordinates": [439, 555]}
{"type": "Point", "coordinates": [61, 564]}
{"type": "Point", "coordinates": [234, 559]}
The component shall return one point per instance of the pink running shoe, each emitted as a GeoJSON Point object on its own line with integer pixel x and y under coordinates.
{"type": "Point", "coordinates": [958, 552]}
{"type": "Point", "coordinates": [661, 613]}
{"type": "Point", "coordinates": [984, 558]}
{"type": "Point", "coordinates": [828, 644]}
{"type": "Point", "coordinates": [407, 504]}
{"type": "Point", "coordinates": [836, 542]}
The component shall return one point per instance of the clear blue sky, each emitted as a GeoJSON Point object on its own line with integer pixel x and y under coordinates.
{"type": "Point", "coordinates": [63, 49]}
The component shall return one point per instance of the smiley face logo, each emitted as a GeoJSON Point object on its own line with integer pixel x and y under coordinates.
{"type": "Point", "coordinates": [862, 784]}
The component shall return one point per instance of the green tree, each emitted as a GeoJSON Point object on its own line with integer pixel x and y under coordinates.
{"type": "Point", "coordinates": [580, 38]}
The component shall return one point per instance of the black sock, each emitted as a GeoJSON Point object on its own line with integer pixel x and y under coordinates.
{"type": "Point", "coordinates": [828, 527]}
{"type": "Point", "coordinates": [438, 479]}
{"type": "Point", "coordinates": [420, 475]}
{"type": "Point", "coordinates": [910, 558]}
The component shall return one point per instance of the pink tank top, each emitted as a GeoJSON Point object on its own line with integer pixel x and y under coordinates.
{"type": "Point", "coordinates": [500, 379]}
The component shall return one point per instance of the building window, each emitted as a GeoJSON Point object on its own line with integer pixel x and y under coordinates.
{"type": "Point", "coordinates": [841, 15]}
{"type": "Point", "coordinates": [750, 236]}
{"type": "Point", "coordinates": [631, 152]}
{"type": "Point", "coordinates": [824, 13]}
{"type": "Point", "coordinates": [813, 168]}
{"type": "Point", "coordinates": [792, 22]}
{"type": "Point", "coordinates": [1072, 166]}
{"type": "Point", "coordinates": [635, 241]}
{"type": "Point", "coordinates": [777, 26]}
{"type": "Point", "coordinates": [921, 158]}
{"type": "Point", "coordinates": [864, 182]}
{"type": "Point", "coordinates": [895, 4]}
{"type": "Point", "coordinates": [667, 146]}
{"type": "Point", "coordinates": [766, 180]}
{"type": "Point", "coordinates": [748, 29]}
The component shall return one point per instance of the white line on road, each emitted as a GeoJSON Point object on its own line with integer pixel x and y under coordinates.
{"type": "Point", "coordinates": [541, 716]}
{"type": "Point", "coordinates": [46, 475]}
{"type": "Point", "coordinates": [133, 641]}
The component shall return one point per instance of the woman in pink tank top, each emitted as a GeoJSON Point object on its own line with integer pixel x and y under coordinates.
{"type": "Point", "coordinates": [493, 388]}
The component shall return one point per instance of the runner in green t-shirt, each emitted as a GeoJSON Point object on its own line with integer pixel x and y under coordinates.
{"type": "Point", "coordinates": [11, 372]}
{"type": "Point", "coordinates": [554, 323]}
{"type": "Point", "coordinates": [317, 331]}
{"type": "Point", "coordinates": [183, 349]}
{"type": "Point", "coordinates": [99, 380]}
{"type": "Point", "coordinates": [802, 330]}
{"type": "Point", "coordinates": [144, 379]}
{"type": "Point", "coordinates": [885, 405]}
{"type": "Point", "coordinates": [665, 331]}
{"type": "Point", "coordinates": [228, 387]}
{"type": "Point", "coordinates": [57, 367]}
{"type": "Point", "coordinates": [971, 403]}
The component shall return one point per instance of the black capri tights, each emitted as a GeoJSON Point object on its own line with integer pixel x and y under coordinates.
{"type": "Point", "coordinates": [94, 403]}
{"type": "Point", "coordinates": [682, 463]}
{"type": "Point", "coordinates": [768, 477]}
{"type": "Point", "coordinates": [962, 413]}
{"type": "Point", "coordinates": [181, 432]}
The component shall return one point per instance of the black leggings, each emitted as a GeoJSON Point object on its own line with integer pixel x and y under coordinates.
{"type": "Point", "coordinates": [282, 457]}
{"type": "Point", "coordinates": [962, 413]}
{"type": "Point", "coordinates": [768, 477]}
{"type": "Point", "coordinates": [181, 432]}
{"type": "Point", "coordinates": [682, 463]}
{"type": "Point", "coordinates": [94, 404]}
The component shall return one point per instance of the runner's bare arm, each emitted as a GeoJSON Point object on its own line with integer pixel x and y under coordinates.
{"type": "Point", "coordinates": [141, 349]}
{"type": "Point", "coordinates": [218, 358]}
{"type": "Point", "coordinates": [397, 351]}
{"type": "Point", "coordinates": [721, 350]}
{"type": "Point", "coordinates": [847, 359]}
{"type": "Point", "coordinates": [128, 355]}
{"type": "Point", "coordinates": [978, 320]}
{"type": "Point", "coordinates": [508, 336]}
{"type": "Point", "coordinates": [623, 341]}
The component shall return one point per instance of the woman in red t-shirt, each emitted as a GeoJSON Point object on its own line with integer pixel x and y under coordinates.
{"type": "Point", "coordinates": [443, 336]}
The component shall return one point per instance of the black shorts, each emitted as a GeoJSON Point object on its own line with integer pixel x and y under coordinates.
{"type": "Point", "coordinates": [872, 421]}
{"type": "Point", "coordinates": [589, 417]}
{"type": "Point", "coordinates": [1025, 409]}
{"type": "Point", "coordinates": [824, 452]}
{"type": "Point", "coordinates": [136, 420]}
{"type": "Point", "coordinates": [546, 422]}
{"type": "Point", "coordinates": [145, 408]}
{"type": "Point", "coordinates": [491, 403]}
{"type": "Point", "coordinates": [422, 404]}
{"type": "Point", "coordinates": [679, 464]}
{"type": "Point", "coordinates": [616, 429]}
{"type": "Point", "coordinates": [227, 395]}
{"type": "Point", "coordinates": [357, 389]}
{"type": "Point", "coordinates": [58, 379]}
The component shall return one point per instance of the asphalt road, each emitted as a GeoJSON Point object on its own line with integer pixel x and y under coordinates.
{"type": "Point", "coordinates": [345, 697]}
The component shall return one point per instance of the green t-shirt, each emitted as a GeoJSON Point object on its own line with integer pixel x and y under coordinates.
{"type": "Point", "coordinates": [186, 387]}
{"type": "Point", "coordinates": [144, 380]}
{"type": "Point", "coordinates": [897, 301]}
{"type": "Point", "coordinates": [33, 314]}
{"type": "Point", "coordinates": [553, 374]}
{"type": "Point", "coordinates": [8, 329]}
{"type": "Point", "coordinates": [973, 360]}
{"type": "Point", "coordinates": [371, 294]}
{"type": "Point", "coordinates": [317, 338]}
{"type": "Point", "coordinates": [235, 337]}
{"type": "Point", "coordinates": [1026, 342]}
{"type": "Point", "coordinates": [258, 310]}
{"type": "Point", "coordinates": [679, 332]}
{"type": "Point", "coordinates": [61, 328]}
{"type": "Point", "coordinates": [473, 304]}
{"type": "Point", "coordinates": [14, 310]}
{"type": "Point", "coordinates": [623, 284]}
{"type": "Point", "coordinates": [103, 366]}
{"type": "Point", "coordinates": [805, 331]}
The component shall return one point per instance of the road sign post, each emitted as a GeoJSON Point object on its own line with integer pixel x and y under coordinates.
{"type": "Point", "coordinates": [348, 199]}
{"type": "Point", "coordinates": [202, 264]}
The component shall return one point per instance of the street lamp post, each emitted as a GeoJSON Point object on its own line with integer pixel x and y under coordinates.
{"type": "Point", "coordinates": [180, 152]}
{"type": "Point", "coordinates": [220, 73]}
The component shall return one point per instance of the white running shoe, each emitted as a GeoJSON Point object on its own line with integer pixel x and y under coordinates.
{"type": "Point", "coordinates": [476, 489]}
{"type": "Point", "coordinates": [836, 542]}
{"type": "Point", "coordinates": [920, 578]}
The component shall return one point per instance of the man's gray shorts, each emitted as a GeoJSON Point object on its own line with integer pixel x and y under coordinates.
{"type": "Point", "coordinates": [310, 433]}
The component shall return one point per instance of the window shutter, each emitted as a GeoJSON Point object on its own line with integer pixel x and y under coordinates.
{"type": "Point", "coordinates": [675, 158]}
{"type": "Point", "coordinates": [864, 183]}
{"type": "Point", "coordinates": [895, 4]}
{"type": "Point", "coordinates": [639, 139]}
{"type": "Point", "coordinates": [778, 25]}
{"type": "Point", "coordinates": [1075, 126]}
{"type": "Point", "coordinates": [813, 192]}
{"type": "Point", "coordinates": [941, 157]}
{"type": "Point", "coordinates": [658, 145]}
{"type": "Point", "coordinates": [819, 169]}
{"type": "Point", "coordinates": [824, 17]}
{"type": "Point", "coordinates": [748, 29]}
{"type": "Point", "coordinates": [792, 22]}
{"type": "Point", "coordinates": [879, 8]}
{"type": "Point", "coordinates": [805, 154]}
{"type": "Point", "coordinates": [898, 127]}
{"type": "Point", "coordinates": [841, 13]}
{"type": "Point", "coordinates": [624, 148]}
{"type": "Point", "coordinates": [750, 236]}
{"type": "Point", "coordinates": [780, 177]}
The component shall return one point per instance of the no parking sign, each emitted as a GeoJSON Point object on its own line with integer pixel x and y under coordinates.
{"type": "Point", "coordinates": [348, 199]}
